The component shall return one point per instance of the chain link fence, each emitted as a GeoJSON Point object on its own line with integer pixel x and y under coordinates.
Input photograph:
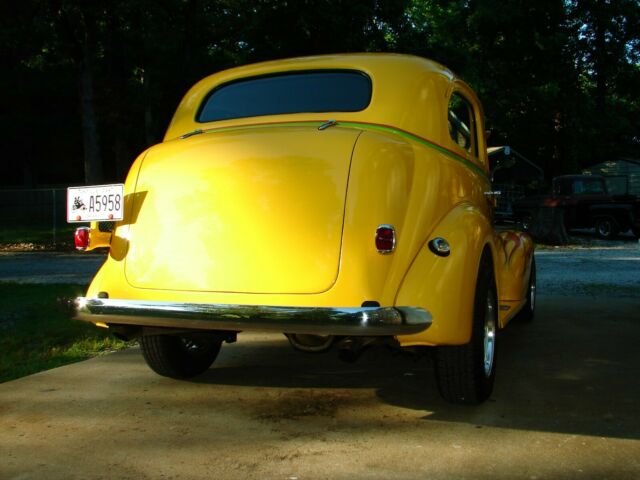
{"type": "Point", "coordinates": [34, 215]}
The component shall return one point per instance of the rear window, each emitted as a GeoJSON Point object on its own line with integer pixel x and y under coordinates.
{"type": "Point", "coordinates": [292, 92]}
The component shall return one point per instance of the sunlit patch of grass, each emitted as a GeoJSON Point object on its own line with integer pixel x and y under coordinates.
{"type": "Point", "coordinates": [36, 335]}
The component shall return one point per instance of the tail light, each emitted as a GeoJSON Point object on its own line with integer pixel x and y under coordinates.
{"type": "Point", "coordinates": [81, 238]}
{"type": "Point", "coordinates": [385, 239]}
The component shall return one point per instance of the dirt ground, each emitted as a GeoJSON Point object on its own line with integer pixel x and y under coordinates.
{"type": "Point", "coordinates": [566, 405]}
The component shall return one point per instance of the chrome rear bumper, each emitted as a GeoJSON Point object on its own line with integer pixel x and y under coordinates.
{"type": "Point", "coordinates": [365, 321]}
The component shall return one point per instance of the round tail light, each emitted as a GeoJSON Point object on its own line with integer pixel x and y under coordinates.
{"type": "Point", "coordinates": [81, 238]}
{"type": "Point", "coordinates": [385, 239]}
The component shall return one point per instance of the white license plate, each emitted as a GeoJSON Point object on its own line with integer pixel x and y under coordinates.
{"type": "Point", "coordinates": [95, 204]}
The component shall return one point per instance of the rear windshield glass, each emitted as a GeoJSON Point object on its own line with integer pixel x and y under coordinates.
{"type": "Point", "coordinates": [294, 92]}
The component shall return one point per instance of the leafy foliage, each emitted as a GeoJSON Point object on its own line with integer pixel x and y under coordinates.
{"type": "Point", "coordinates": [91, 84]}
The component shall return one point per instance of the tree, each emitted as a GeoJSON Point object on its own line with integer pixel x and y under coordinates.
{"type": "Point", "coordinates": [605, 46]}
{"type": "Point", "coordinates": [71, 35]}
{"type": "Point", "coordinates": [101, 79]}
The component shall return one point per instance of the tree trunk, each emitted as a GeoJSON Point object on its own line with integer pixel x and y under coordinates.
{"type": "Point", "coordinates": [122, 155]}
{"type": "Point", "coordinates": [547, 226]}
{"type": "Point", "coordinates": [90, 139]}
{"type": "Point", "coordinates": [600, 14]}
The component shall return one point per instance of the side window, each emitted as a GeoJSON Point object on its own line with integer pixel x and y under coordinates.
{"type": "Point", "coordinates": [462, 126]}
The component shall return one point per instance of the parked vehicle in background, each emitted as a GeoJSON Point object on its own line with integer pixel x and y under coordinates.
{"type": "Point", "coordinates": [585, 203]}
{"type": "Point", "coordinates": [515, 177]}
{"type": "Point", "coordinates": [341, 200]}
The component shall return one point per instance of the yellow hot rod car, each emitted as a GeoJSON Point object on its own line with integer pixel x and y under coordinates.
{"type": "Point", "coordinates": [340, 200]}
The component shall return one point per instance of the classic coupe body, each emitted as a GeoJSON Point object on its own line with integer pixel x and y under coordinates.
{"type": "Point", "coordinates": [341, 200]}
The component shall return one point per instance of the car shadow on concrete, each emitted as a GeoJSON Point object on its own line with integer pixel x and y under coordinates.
{"type": "Point", "coordinates": [566, 372]}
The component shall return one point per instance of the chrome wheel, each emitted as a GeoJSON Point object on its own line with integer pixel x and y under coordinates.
{"type": "Point", "coordinates": [180, 356]}
{"type": "Point", "coordinates": [604, 229]}
{"type": "Point", "coordinates": [489, 334]}
{"type": "Point", "coordinates": [191, 345]}
{"type": "Point", "coordinates": [607, 228]}
{"type": "Point", "coordinates": [532, 292]}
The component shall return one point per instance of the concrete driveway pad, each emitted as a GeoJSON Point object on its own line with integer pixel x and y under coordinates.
{"type": "Point", "coordinates": [565, 406]}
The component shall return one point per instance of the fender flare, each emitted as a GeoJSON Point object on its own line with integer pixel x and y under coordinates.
{"type": "Point", "coordinates": [445, 286]}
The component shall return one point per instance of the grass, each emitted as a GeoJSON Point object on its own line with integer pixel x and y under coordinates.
{"type": "Point", "coordinates": [36, 335]}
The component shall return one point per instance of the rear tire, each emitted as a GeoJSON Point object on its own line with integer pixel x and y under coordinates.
{"type": "Point", "coordinates": [465, 374]}
{"type": "Point", "coordinates": [180, 356]}
{"type": "Point", "coordinates": [607, 228]}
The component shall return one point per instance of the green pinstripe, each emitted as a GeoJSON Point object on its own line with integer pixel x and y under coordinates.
{"type": "Point", "coordinates": [363, 126]}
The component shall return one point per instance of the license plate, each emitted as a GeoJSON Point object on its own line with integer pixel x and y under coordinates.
{"type": "Point", "coordinates": [95, 204]}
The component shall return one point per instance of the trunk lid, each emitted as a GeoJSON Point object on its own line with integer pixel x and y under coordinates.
{"type": "Point", "coordinates": [253, 210]}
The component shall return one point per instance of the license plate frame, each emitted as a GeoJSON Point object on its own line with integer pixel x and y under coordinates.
{"type": "Point", "coordinates": [96, 203]}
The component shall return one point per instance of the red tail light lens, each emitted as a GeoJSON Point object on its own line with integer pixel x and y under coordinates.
{"type": "Point", "coordinates": [385, 239]}
{"type": "Point", "coordinates": [81, 238]}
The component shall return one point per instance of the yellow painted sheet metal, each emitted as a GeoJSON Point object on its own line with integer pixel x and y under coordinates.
{"type": "Point", "coordinates": [257, 211]}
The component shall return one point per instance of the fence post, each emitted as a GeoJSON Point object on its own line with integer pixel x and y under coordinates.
{"type": "Point", "coordinates": [53, 191]}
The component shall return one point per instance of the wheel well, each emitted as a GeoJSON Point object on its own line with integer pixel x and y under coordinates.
{"type": "Point", "coordinates": [487, 256]}
{"type": "Point", "coordinates": [613, 228]}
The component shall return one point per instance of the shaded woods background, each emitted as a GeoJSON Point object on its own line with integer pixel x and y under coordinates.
{"type": "Point", "coordinates": [87, 85]}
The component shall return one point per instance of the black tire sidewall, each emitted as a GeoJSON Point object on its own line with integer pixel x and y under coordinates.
{"type": "Point", "coordinates": [168, 356]}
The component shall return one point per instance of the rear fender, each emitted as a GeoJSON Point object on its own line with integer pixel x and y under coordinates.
{"type": "Point", "coordinates": [513, 252]}
{"type": "Point", "coordinates": [109, 238]}
{"type": "Point", "coordinates": [446, 285]}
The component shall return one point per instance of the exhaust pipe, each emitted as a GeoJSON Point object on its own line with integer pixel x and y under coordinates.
{"type": "Point", "coordinates": [350, 348]}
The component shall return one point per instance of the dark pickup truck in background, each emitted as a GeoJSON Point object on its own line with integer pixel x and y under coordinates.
{"type": "Point", "coordinates": [580, 201]}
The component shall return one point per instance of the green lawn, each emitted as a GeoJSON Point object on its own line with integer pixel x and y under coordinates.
{"type": "Point", "coordinates": [36, 335]}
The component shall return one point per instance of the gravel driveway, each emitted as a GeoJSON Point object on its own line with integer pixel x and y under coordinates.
{"type": "Point", "coordinates": [612, 271]}
{"type": "Point", "coordinates": [561, 271]}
